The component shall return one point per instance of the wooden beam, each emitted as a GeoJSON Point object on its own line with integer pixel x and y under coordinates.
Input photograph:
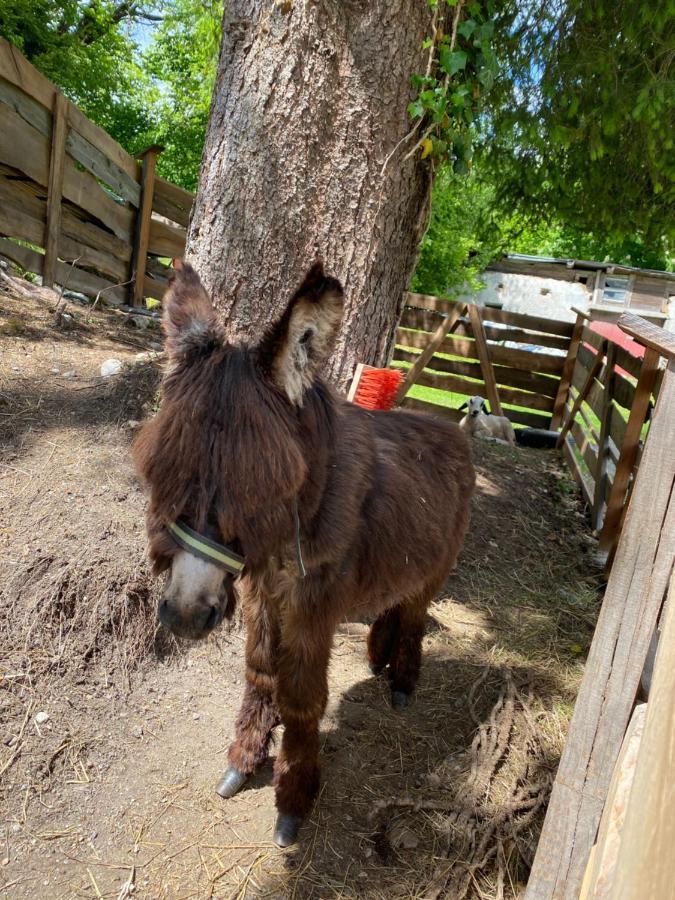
{"type": "Point", "coordinates": [603, 441]}
{"type": "Point", "coordinates": [55, 188]}
{"type": "Point", "coordinates": [629, 448]}
{"type": "Point", "coordinates": [645, 863]}
{"type": "Point", "coordinates": [648, 335]}
{"type": "Point", "coordinates": [583, 393]}
{"type": "Point", "coordinates": [566, 376]}
{"type": "Point", "coordinates": [484, 360]}
{"type": "Point", "coordinates": [142, 232]}
{"type": "Point", "coordinates": [448, 324]}
{"type": "Point", "coordinates": [633, 599]}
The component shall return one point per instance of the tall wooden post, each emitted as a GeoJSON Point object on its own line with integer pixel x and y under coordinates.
{"type": "Point", "coordinates": [629, 448]}
{"type": "Point", "coordinates": [484, 359]}
{"type": "Point", "coordinates": [139, 255]}
{"type": "Point", "coordinates": [55, 188]}
{"type": "Point", "coordinates": [566, 375]}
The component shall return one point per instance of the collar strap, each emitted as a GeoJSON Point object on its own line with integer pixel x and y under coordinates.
{"type": "Point", "coordinates": [206, 549]}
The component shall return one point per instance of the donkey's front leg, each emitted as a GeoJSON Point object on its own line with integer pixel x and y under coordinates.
{"type": "Point", "coordinates": [302, 692]}
{"type": "Point", "coordinates": [258, 714]}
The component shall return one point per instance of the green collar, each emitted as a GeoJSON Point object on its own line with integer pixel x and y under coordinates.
{"type": "Point", "coordinates": [206, 549]}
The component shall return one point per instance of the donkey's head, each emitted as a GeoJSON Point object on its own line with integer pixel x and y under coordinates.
{"type": "Point", "coordinates": [224, 458]}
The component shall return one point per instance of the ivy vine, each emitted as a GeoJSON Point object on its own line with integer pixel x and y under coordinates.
{"type": "Point", "coordinates": [461, 68]}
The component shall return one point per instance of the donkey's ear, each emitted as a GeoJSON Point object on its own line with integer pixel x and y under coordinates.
{"type": "Point", "coordinates": [296, 347]}
{"type": "Point", "coordinates": [187, 312]}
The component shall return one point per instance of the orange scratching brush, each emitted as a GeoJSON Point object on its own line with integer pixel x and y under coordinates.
{"type": "Point", "coordinates": [375, 388]}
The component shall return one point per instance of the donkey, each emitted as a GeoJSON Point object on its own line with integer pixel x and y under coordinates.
{"type": "Point", "coordinates": [259, 472]}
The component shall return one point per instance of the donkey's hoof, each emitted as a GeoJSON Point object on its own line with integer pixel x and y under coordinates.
{"type": "Point", "coordinates": [231, 782]}
{"type": "Point", "coordinates": [286, 830]}
{"type": "Point", "coordinates": [399, 700]}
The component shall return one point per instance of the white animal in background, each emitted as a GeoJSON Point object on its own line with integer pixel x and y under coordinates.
{"type": "Point", "coordinates": [479, 422]}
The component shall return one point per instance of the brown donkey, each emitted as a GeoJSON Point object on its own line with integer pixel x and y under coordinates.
{"type": "Point", "coordinates": [259, 471]}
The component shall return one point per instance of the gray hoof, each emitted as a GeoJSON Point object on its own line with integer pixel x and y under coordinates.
{"type": "Point", "coordinates": [399, 700]}
{"type": "Point", "coordinates": [231, 782]}
{"type": "Point", "coordinates": [286, 830]}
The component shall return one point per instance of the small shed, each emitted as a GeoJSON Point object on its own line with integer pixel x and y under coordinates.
{"type": "Point", "coordinates": [544, 285]}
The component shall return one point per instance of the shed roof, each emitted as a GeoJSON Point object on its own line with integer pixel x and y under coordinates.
{"type": "Point", "coordinates": [527, 261]}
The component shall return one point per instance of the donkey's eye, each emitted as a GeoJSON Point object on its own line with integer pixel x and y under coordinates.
{"type": "Point", "coordinates": [306, 336]}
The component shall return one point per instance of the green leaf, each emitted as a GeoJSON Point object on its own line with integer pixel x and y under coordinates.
{"type": "Point", "coordinates": [415, 109]}
{"type": "Point", "coordinates": [452, 62]}
{"type": "Point", "coordinates": [467, 28]}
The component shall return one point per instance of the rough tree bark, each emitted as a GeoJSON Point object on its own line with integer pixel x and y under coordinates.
{"type": "Point", "coordinates": [311, 98]}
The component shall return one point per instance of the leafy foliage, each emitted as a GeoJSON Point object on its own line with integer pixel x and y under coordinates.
{"type": "Point", "coordinates": [582, 123]}
{"type": "Point", "coordinates": [462, 66]}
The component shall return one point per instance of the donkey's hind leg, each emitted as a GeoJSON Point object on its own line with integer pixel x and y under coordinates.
{"type": "Point", "coordinates": [258, 714]}
{"type": "Point", "coordinates": [406, 659]}
{"type": "Point", "coordinates": [382, 639]}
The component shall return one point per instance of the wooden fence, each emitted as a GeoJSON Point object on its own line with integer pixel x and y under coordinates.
{"type": "Point", "coordinates": [75, 207]}
{"type": "Point", "coordinates": [512, 358]}
{"type": "Point", "coordinates": [610, 823]}
{"type": "Point", "coordinates": [541, 373]}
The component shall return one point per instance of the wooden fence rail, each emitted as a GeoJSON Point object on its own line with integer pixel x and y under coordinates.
{"type": "Point", "coordinates": [75, 207]}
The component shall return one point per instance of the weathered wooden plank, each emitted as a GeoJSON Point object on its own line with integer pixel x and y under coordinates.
{"type": "Point", "coordinates": [605, 415]}
{"type": "Point", "coordinates": [586, 447]}
{"type": "Point", "coordinates": [601, 868]}
{"type": "Point", "coordinates": [531, 419]}
{"type": "Point", "coordinates": [435, 409]}
{"type": "Point", "coordinates": [484, 358]}
{"type": "Point", "coordinates": [450, 383]}
{"type": "Point", "coordinates": [628, 362]}
{"type": "Point", "coordinates": [172, 201]}
{"type": "Point", "coordinates": [629, 447]}
{"type": "Point", "coordinates": [638, 581]}
{"type": "Point", "coordinates": [16, 69]}
{"type": "Point", "coordinates": [595, 396]}
{"type": "Point", "coordinates": [68, 276]}
{"type": "Point", "coordinates": [544, 385]}
{"type": "Point", "coordinates": [80, 149]}
{"type": "Point", "coordinates": [154, 287]}
{"type": "Point", "coordinates": [421, 319]}
{"type": "Point", "coordinates": [142, 230]}
{"type": "Point", "coordinates": [586, 486]}
{"type": "Point", "coordinates": [443, 329]}
{"type": "Point", "coordinates": [624, 391]}
{"type": "Point", "coordinates": [168, 240]}
{"type": "Point", "coordinates": [21, 222]}
{"type": "Point", "coordinates": [583, 393]}
{"type": "Point", "coordinates": [25, 149]}
{"type": "Point", "coordinates": [593, 338]}
{"type": "Point", "coordinates": [103, 168]}
{"type": "Point", "coordinates": [55, 189]}
{"type": "Point", "coordinates": [648, 334]}
{"type": "Point", "coordinates": [491, 314]}
{"type": "Point", "coordinates": [644, 866]}
{"type": "Point", "coordinates": [617, 427]}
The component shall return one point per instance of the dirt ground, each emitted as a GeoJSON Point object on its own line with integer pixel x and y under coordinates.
{"type": "Point", "coordinates": [112, 736]}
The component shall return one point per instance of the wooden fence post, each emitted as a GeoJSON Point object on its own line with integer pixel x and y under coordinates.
{"type": "Point", "coordinates": [603, 440]}
{"type": "Point", "coordinates": [484, 359]}
{"type": "Point", "coordinates": [566, 375]}
{"type": "Point", "coordinates": [447, 326]}
{"type": "Point", "coordinates": [139, 255]}
{"type": "Point", "coordinates": [629, 448]}
{"type": "Point", "coordinates": [55, 188]}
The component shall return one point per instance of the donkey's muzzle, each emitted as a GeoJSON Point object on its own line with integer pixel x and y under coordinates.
{"type": "Point", "coordinates": [197, 622]}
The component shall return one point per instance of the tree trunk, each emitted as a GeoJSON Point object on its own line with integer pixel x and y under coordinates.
{"type": "Point", "coordinates": [311, 98]}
